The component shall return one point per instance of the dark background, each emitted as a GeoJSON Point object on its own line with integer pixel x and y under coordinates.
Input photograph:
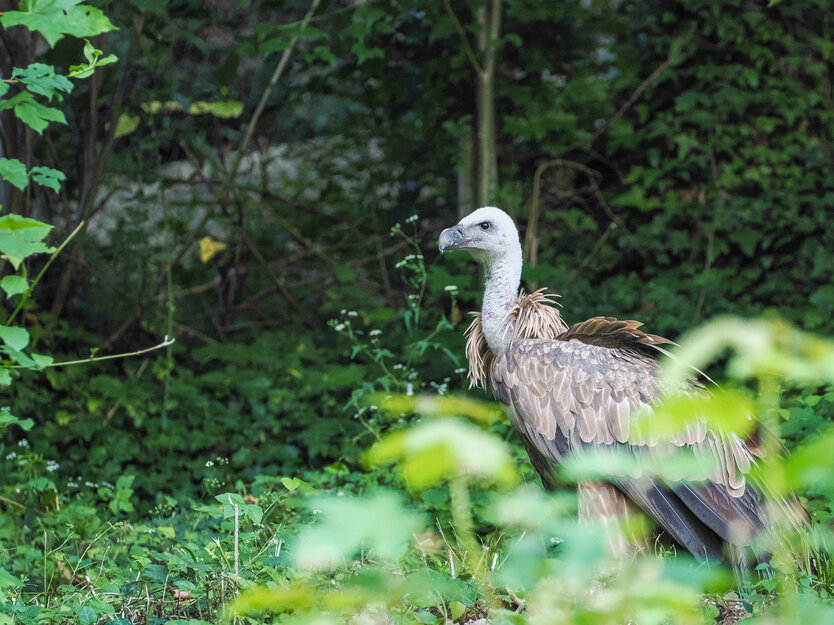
{"type": "Point", "coordinates": [684, 159]}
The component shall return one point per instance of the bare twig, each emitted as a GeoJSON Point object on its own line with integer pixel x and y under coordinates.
{"type": "Point", "coordinates": [597, 247]}
{"type": "Point", "coordinates": [81, 361]}
{"type": "Point", "coordinates": [250, 130]}
{"type": "Point", "coordinates": [530, 237]}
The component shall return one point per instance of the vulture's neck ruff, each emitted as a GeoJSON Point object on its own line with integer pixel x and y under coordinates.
{"type": "Point", "coordinates": [490, 235]}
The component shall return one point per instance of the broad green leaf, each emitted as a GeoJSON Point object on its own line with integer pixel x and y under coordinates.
{"type": "Point", "coordinates": [440, 406]}
{"type": "Point", "coordinates": [42, 360]}
{"type": "Point", "coordinates": [42, 79]}
{"type": "Point", "coordinates": [13, 171]}
{"type": "Point", "coordinates": [127, 124]}
{"type": "Point", "coordinates": [4, 88]}
{"type": "Point", "coordinates": [224, 109]}
{"type": "Point", "coordinates": [56, 18]}
{"type": "Point", "coordinates": [7, 580]}
{"type": "Point", "coordinates": [381, 524]}
{"type": "Point", "coordinates": [21, 237]}
{"type": "Point", "coordinates": [610, 463]}
{"type": "Point", "coordinates": [456, 610]}
{"type": "Point", "coordinates": [291, 483]}
{"type": "Point", "coordinates": [14, 336]}
{"type": "Point", "coordinates": [14, 285]}
{"type": "Point", "coordinates": [5, 377]}
{"type": "Point", "coordinates": [48, 177]}
{"type": "Point", "coordinates": [32, 113]}
{"type": "Point", "coordinates": [87, 616]}
{"type": "Point", "coordinates": [431, 452]}
{"type": "Point", "coordinates": [760, 348]}
{"type": "Point", "coordinates": [720, 409]}
{"type": "Point", "coordinates": [19, 357]}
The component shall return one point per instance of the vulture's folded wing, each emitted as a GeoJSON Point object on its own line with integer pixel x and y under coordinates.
{"type": "Point", "coordinates": [566, 395]}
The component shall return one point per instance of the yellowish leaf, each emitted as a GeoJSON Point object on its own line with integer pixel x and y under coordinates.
{"type": "Point", "coordinates": [209, 247]}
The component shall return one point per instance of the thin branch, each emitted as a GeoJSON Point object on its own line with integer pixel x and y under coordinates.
{"type": "Point", "coordinates": [66, 363]}
{"type": "Point", "coordinates": [671, 58]}
{"type": "Point", "coordinates": [283, 290]}
{"type": "Point", "coordinates": [253, 122]}
{"type": "Point", "coordinates": [467, 49]}
{"type": "Point", "coordinates": [597, 247]}
{"type": "Point", "coordinates": [530, 242]}
{"type": "Point", "coordinates": [276, 75]}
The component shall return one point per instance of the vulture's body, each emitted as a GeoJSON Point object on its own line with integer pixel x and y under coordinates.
{"type": "Point", "coordinates": [570, 389]}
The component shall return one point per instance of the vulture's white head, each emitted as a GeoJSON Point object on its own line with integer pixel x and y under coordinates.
{"type": "Point", "coordinates": [489, 234]}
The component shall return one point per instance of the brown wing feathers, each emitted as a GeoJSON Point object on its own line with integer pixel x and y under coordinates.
{"type": "Point", "coordinates": [570, 388]}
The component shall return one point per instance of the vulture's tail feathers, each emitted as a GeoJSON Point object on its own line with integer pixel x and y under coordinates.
{"type": "Point", "coordinates": [676, 518]}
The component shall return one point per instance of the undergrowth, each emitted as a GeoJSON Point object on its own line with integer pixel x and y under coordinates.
{"type": "Point", "coordinates": [437, 519]}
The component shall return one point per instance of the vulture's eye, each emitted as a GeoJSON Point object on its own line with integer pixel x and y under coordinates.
{"type": "Point", "coordinates": [484, 225]}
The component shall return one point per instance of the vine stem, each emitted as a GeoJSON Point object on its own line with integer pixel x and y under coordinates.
{"type": "Point", "coordinates": [37, 279]}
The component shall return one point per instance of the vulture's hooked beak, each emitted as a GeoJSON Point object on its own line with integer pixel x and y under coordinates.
{"type": "Point", "coordinates": [451, 239]}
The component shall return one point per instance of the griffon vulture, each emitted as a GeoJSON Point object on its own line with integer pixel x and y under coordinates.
{"type": "Point", "coordinates": [569, 389]}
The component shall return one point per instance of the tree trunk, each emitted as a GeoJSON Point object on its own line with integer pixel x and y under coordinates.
{"type": "Point", "coordinates": [489, 19]}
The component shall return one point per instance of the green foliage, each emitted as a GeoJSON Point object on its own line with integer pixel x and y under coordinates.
{"type": "Point", "coordinates": [56, 18]}
{"type": "Point", "coordinates": [699, 184]}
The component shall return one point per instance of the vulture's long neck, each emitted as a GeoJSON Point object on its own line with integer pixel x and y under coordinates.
{"type": "Point", "coordinates": [500, 293]}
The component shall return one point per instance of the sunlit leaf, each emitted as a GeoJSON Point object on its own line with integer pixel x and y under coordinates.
{"type": "Point", "coordinates": [209, 247]}
{"type": "Point", "coordinates": [14, 285]}
{"type": "Point", "coordinates": [759, 348]}
{"type": "Point", "coordinates": [720, 409]}
{"type": "Point", "coordinates": [14, 336]}
{"type": "Point", "coordinates": [14, 172]}
{"type": "Point", "coordinates": [56, 18]}
{"type": "Point", "coordinates": [21, 237]}
{"type": "Point", "coordinates": [440, 406]}
{"type": "Point", "coordinates": [380, 524]}
{"type": "Point", "coordinates": [42, 79]}
{"type": "Point", "coordinates": [434, 451]}
{"type": "Point", "coordinates": [679, 464]}
{"type": "Point", "coordinates": [223, 109]}
{"type": "Point", "coordinates": [48, 177]}
{"type": "Point", "coordinates": [126, 124]}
